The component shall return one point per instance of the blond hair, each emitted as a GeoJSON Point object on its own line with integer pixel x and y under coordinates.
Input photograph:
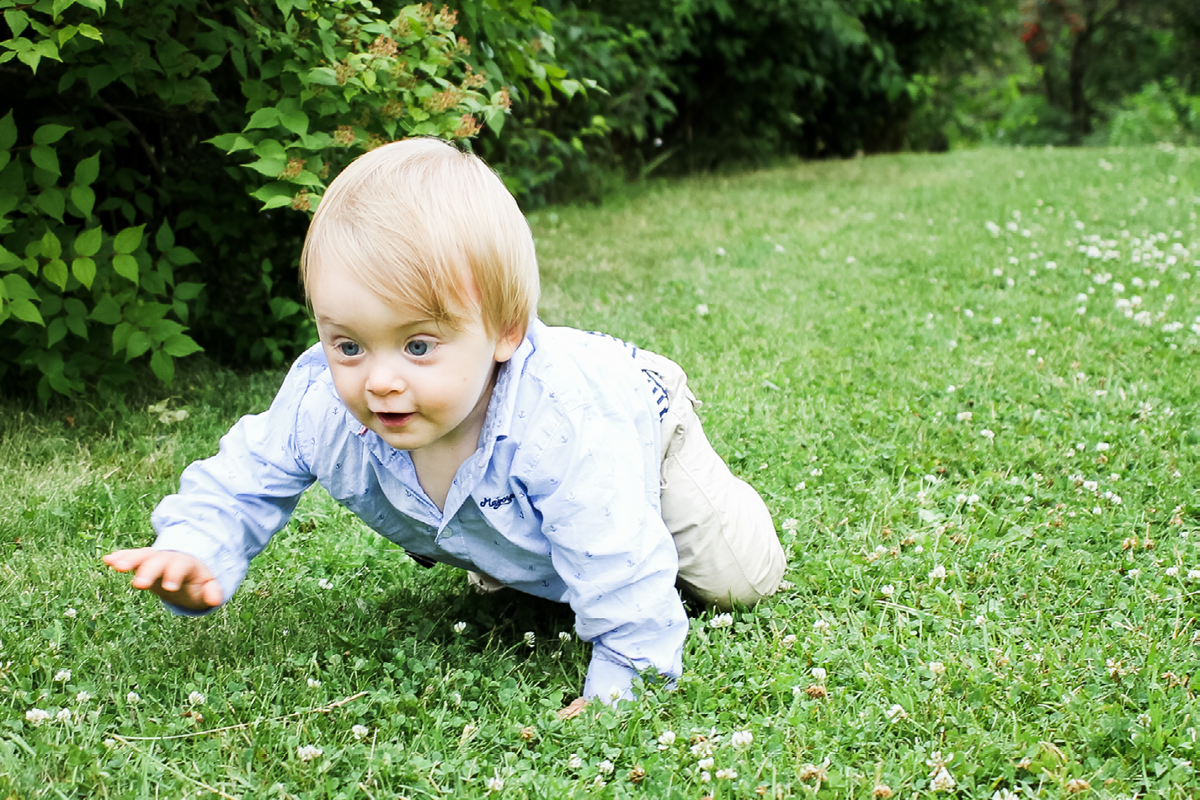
{"type": "Point", "coordinates": [418, 220]}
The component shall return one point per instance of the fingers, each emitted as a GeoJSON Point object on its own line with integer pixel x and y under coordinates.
{"type": "Point", "coordinates": [573, 710]}
{"type": "Point", "coordinates": [125, 560]}
{"type": "Point", "coordinates": [175, 577]}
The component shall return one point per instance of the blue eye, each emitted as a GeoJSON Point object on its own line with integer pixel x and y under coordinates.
{"type": "Point", "coordinates": [349, 349]}
{"type": "Point", "coordinates": [418, 347]}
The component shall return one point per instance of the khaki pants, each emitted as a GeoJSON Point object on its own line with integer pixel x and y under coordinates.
{"type": "Point", "coordinates": [728, 550]}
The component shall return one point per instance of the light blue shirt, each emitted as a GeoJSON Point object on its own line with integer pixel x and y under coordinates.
{"type": "Point", "coordinates": [560, 500]}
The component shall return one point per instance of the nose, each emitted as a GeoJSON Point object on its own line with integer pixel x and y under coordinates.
{"type": "Point", "coordinates": [385, 377]}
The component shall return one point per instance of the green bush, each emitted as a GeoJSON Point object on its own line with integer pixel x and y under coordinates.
{"type": "Point", "coordinates": [1158, 113]}
{"type": "Point", "coordinates": [158, 161]}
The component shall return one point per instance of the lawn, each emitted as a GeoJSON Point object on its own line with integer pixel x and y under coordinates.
{"type": "Point", "coordinates": [967, 387]}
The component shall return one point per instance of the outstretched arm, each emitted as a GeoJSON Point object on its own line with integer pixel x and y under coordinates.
{"type": "Point", "coordinates": [176, 577]}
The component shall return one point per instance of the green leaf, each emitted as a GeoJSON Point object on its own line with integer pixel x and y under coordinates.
{"type": "Point", "coordinates": [275, 194]}
{"type": "Point", "coordinates": [26, 312]}
{"type": "Point", "coordinates": [126, 266]}
{"type": "Point", "coordinates": [49, 134]}
{"type": "Point", "coordinates": [163, 366]}
{"type": "Point", "coordinates": [18, 288]}
{"type": "Point", "coordinates": [231, 142]}
{"type": "Point", "coordinates": [84, 199]}
{"type": "Point", "coordinates": [271, 167]}
{"type": "Point", "coordinates": [8, 129]}
{"type": "Point", "coordinates": [88, 242]}
{"type": "Point", "coordinates": [181, 255]}
{"type": "Point", "coordinates": [45, 157]}
{"type": "Point", "coordinates": [181, 345]}
{"type": "Point", "coordinates": [138, 344]}
{"type": "Point", "coordinates": [87, 171]}
{"type": "Point", "coordinates": [106, 311]}
{"type": "Point", "coordinates": [52, 203]}
{"type": "Point", "coordinates": [188, 291]}
{"type": "Point", "coordinates": [292, 117]}
{"type": "Point", "coordinates": [164, 329]}
{"type": "Point", "coordinates": [51, 247]}
{"type": "Point", "coordinates": [263, 118]}
{"type": "Point", "coordinates": [90, 32]}
{"type": "Point", "coordinates": [128, 240]}
{"type": "Point", "coordinates": [60, 6]}
{"type": "Point", "coordinates": [76, 314]}
{"type": "Point", "coordinates": [323, 76]}
{"type": "Point", "coordinates": [55, 271]}
{"type": "Point", "coordinates": [56, 331]}
{"type": "Point", "coordinates": [84, 270]}
{"type": "Point", "coordinates": [164, 240]}
{"type": "Point", "coordinates": [121, 335]}
{"type": "Point", "coordinates": [17, 22]}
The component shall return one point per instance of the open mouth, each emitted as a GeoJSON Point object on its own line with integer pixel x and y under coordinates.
{"type": "Point", "coordinates": [394, 420]}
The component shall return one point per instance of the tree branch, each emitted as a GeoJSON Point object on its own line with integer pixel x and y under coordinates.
{"type": "Point", "coordinates": [146, 148]}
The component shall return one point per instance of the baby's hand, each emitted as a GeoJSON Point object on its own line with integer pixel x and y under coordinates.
{"type": "Point", "coordinates": [573, 710]}
{"type": "Point", "coordinates": [175, 577]}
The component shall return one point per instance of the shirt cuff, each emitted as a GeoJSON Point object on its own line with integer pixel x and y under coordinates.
{"type": "Point", "coordinates": [608, 681]}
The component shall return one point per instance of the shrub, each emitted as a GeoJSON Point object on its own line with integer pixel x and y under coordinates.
{"type": "Point", "coordinates": [121, 224]}
{"type": "Point", "coordinates": [1158, 113]}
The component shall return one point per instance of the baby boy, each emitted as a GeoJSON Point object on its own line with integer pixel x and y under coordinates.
{"type": "Point", "coordinates": [444, 414]}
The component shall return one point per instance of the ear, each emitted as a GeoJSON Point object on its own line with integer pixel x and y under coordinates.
{"type": "Point", "coordinates": [508, 343]}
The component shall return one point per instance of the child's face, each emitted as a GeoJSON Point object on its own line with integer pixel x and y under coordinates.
{"type": "Point", "coordinates": [416, 384]}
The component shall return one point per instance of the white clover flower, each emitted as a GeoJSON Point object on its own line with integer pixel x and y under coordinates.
{"type": "Point", "coordinates": [741, 739]}
{"type": "Point", "coordinates": [800, 487]}
{"type": "Point", "coordinates": [705, 777]}
{"type": "Point", "coordinates": [1171, 572]}
{"type": "Point", "coordinates": [850, 259]}
{"type": "Point", "coordinates": [195, 699]}
{"type": "Point", "coordinates": [791, 524]}
{"type": "Point", "coordinates": [459, 627]}
{"type": "Point", "coordinates": [789, 640]}
{"type": "Point", "coordinates": [605, 767]}
{"type": "Point", "coordinates": [896, 713]}
{"type": "Point", "coordinates": [964, 416]}
{"type": "Point", "coordinates": [530, 638]}
{"type": "Point", "coordinates": [574, 762]}
{"type": "Point", "coordinates": [1193, 575]}
{"type": "Point", "coordinates": [937, 668]}
{"type": "Point", "coordinates": [726, 774]}
{"type": "Point", "coordinates": [36, 716]}
{"type": "Point", "coordinates": [937, 573]}
{"type": "Point", "coordinates": [564, 637]}
{"type": "Point", "coordinates": [1000, 320]}
{"type": "Point", "coordinates": [324, 583]}
{"type": "Point", "coordinates": [816, 472]}
{"type": "Point", "coordinates": [1005, 794]}
{"type": "Point", "coordinates": [1090, 486]}
{"type": "Point", "coordinates": [706, 763]}
{"type": "Point", "coordinates": [360, 732]}
{"type": "Point", "coordinates": [494, 784]}
{"type": "Point", "coordinates": [943, 781]}
{"type": "Point", "coordinates": [973, 499]}
{"type": "Point", "coordinates": [987, 434]}
{"type": "Point", "coordinates": [313, 683]}
{"type": "Point", "coordinates": [702, 309]}
{"type": "Point", "coordinates": [70, 613]}
{"type": "Point", "coordinates": [1102, 446]}
{"type": "Point", "coordinates": [721, 621]}
{"type": "Point", "coordinates": [887, 590]}
{"type": "Point", "coordinates": [821, 626]}
{"type": "Point", "coordinates": [308, 752]}
{"type": "Point", "coordinates": [63, 715]}
{"type": "Point", "coordinates": [818, 673]}
{"type": "Point", "coordinates": [614, 693]}
{"type": "Point", "coordinates": [666, 739]}
{"type": "Point", "coordinates": [83, 697]}
{"type": "Point", "coordinates": [133, 698]}
{"type": "Point", "coordinates": [62, 676]}
{"type": "Point", "coordinates": [779, 248]}
{"type": "Point", "coordinates": [720, 251]}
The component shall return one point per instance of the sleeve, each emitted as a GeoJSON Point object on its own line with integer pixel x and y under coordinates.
{"type": "Point", "coordinates": [230, 505]}
{"type": "Point", "coordinates": [595, 484]}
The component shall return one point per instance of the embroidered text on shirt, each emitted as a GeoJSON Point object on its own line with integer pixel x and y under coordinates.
{"type": "Point", "coordinates": [496, 502]}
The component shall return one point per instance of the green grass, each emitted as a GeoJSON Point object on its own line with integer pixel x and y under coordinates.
{"type": "Point", "coordinates": [974, 600]}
